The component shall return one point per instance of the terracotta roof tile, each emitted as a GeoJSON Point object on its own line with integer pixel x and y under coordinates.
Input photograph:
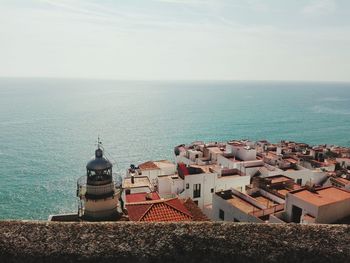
{"type": "Point", "coordinates": [159, 210]}
{"type": "Point", "coordinates": [148, 166]}
{"type": "Point", "coordinates": [195, 211]}
{"type": "Point", "coordinates": [140, 197]}
{"type": "Point", "coordinates": [135, 212]}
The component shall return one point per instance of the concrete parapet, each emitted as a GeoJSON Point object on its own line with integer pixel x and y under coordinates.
{"type": "Point", "coordinates": [29, 241]}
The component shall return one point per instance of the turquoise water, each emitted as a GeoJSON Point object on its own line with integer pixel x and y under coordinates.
{"type": "Point", "coordinates": [48, 128]}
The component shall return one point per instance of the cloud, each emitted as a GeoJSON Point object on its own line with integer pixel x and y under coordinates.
{"type": "Point", "coordinates": [319, 8]}
{"type": "Point", "coordinates": [258, 5]}
{"type": "Point", "coordinates": [172, 39]}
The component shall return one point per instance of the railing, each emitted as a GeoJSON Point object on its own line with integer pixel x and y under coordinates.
{"type": "Point", "coordinates": [83, 188]}
{"type": "Point", "coordinates": [100, 189]}
{"type": "Point", "coordinates": [267, 211]}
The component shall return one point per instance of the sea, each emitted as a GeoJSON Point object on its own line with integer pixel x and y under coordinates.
{"type": "Point", "coordinates": [49, 127]}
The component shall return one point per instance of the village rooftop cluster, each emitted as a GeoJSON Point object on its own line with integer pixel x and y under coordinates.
{"type": "Point", "coordinates": [246, 181]}
{"type": "Point", "coordinates": [236, 181]}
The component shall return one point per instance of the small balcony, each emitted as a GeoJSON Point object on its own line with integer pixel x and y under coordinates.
{"type": "Point", "coordinates": [86, 191]}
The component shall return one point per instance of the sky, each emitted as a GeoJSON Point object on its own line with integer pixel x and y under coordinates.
{"type": "Point", "coordinates": [176, 39]}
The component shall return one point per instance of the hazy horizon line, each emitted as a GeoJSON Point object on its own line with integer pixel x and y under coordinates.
{"type": "Point", "coordinates": [174, 80]}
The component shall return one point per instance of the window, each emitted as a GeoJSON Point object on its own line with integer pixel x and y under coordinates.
{"type": "Point", "coordinates": [187, 186]}
{"type": "Point", "coordinates": [221, 214]}
{"type": "Point", "coordinates": [212, 190]}
{"type": "Point", "coordinates": [299, 181]}
{"type": "Point", "coordinates": [196, 190]}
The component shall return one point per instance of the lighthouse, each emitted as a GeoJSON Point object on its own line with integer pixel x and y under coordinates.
{"type": "Point", "coordinates": [98, 195]}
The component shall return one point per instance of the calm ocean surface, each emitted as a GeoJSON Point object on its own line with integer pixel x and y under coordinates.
{"type": "Point", "coordinates": [48, 128]}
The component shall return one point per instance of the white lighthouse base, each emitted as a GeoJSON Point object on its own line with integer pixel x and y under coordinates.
{"type": "Point", "coordinates": [101, 208]}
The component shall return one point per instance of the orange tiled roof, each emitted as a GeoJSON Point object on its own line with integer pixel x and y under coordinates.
{"type": "Point", "coordinates": [195, 211]}
{"type": "Point", "coordinates": [140, 197]}
{"type": "Point", "coordinates": [159, 210]}
{"type": "Point", "coordinates": [148, 166]}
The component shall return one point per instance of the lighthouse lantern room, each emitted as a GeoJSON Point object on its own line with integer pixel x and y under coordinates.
{"type": "Point", "coordinates": [98, 195]}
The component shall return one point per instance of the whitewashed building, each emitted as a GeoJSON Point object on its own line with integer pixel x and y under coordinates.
{"type": "Point", "coordinates": [201, 182]}
{"type": "Point", "coordinates": [324, 205]}
{"type": "Point", "coordinates": [235, 206]}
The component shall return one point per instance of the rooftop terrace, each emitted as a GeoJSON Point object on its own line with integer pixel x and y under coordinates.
{"type": "Point", "coordinates": [322, 196]}
{"type": "Point", "coordinates": [139, 181]}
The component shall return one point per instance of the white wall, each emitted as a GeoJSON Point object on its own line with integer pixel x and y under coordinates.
{"type": "Point", "coordinates": [166, 168]}
{"type": "Point", "coordinates": [164, 185]}
{"type": "Point", "coordinates": [151, 174]}
{"type": "Point", "coordinates": [243, 166]}
{"type": "Point", "coordinates": [230, 211]}
{"type": "Point", "coordinates": [177, 186]}
{"type": "Point", "coordinates": [305, 206]}
{"type": "Point", "coordinates": [235, 182]}
{"type": "Point", "coordinates": [101, 207]}
{"type": "Point", "coordinates": [169, 185]}
{"type": "Point", "coordinates": [245, 154]}
{"type": "Point", "coordinates": [324, 214]}
{"type": "Point", "coordinates": [206, 181]}
{"type": "Point", "coordinates": [183, 159]}
{"type": "Point", "coordinates": [193, 155]}
{"type": "Point", "coordinates": [212, 181]}
{"type": "Point", "coordinates": [313, 176]}
{"type": "Point", "coordinates": [225, 162]}
{"type": "Point", "coordinates": [332, 212]}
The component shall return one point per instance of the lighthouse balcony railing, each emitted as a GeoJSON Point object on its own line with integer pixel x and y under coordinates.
{"type": "Point", "coordinates": [81, 186]}
{"type": "Point", "coordinates": [100, 189]}
{"type": "Point", "coordinates": [84, 189]}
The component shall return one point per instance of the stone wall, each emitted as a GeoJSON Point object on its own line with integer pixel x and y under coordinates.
{"type": "Point", "coordinates": [172, 242]}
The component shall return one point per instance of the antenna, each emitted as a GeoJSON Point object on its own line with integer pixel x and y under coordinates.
{"type": "Point", "coordinates": [99, 143]}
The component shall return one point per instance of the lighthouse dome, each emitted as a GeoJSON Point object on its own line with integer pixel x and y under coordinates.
{"type": "Point", "coordinates": [99, 162]}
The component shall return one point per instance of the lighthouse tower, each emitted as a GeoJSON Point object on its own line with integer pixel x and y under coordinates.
{"type": "Point", "coordinates": [97, 192]}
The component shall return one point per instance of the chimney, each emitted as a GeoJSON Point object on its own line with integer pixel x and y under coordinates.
{"type": "Point", "coordinates": [149, 196]}
{"type": "Point", "coordinates": [132, 179]}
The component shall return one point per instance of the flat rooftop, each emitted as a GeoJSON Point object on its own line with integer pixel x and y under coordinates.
{"type": "Point", "coordinates": [150, 165]}
{"type": "Point", "coordinates": [278, 179]}
{"type": "Point", "coordinates": [231, 172]}
{"type": "Point", "coordinates": [279, 185]}
{"type": "Point", "coordinates": [164, 164]}
{"type": "Point", "coordinates": [215, 150]}
{"type": "Point", "coordinates": [264, 200]}
{"type": "Point", "coordinates": [156, 165]}
{"type": "Point", "coordinates": [141, 197]}
{"type": "Point", "coordinates": [341, 180]}
{"type": "Point", "coordinates": [206, 168]}
{"type": "Point", "coordinates": [283, 191]}
{"type": "Point", "coordinates": [139, 181]}
{"type": "Point", "coordinates": [322, 196]}
{"type": "Point", "coordinates": [242, 204]}
{"type": "Point", "coordinates": [245, 202]}
{"type": "Point", "coordinates": [291, 160]}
